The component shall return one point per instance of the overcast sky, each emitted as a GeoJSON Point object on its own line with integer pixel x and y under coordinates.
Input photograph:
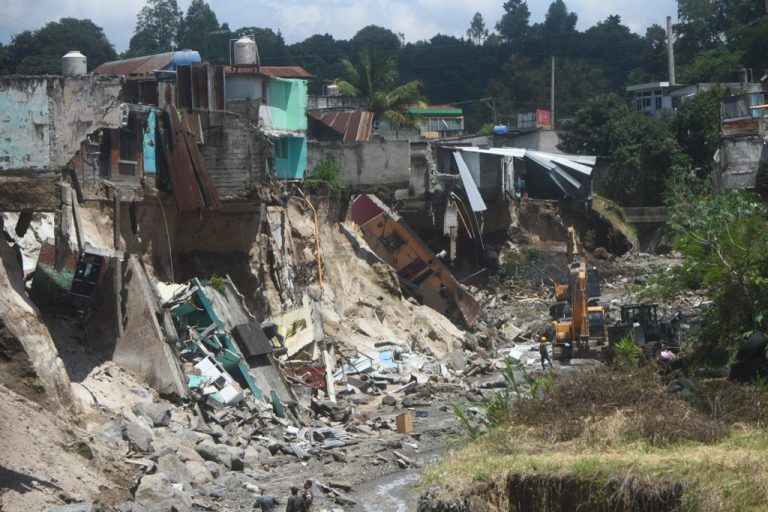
{"type": "Point", "coordinates": [299, 19]}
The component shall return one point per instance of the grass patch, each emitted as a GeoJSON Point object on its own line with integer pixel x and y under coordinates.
{"type": "Point", "coordinates": [619, 440]}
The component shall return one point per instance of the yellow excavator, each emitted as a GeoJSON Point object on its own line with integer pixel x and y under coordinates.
{"type": "Point", "coordinates": [586, 327]}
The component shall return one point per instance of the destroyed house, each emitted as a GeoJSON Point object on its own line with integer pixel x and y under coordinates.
{"type": "Point", "coordinates": [45, 122]}
{"type": "Point", "coordinates": [279, 95]}
{"type": "Point", "coordinates": [742, 159]}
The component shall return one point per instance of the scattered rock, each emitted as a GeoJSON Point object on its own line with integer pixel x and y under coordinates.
{"type": "Point", "coordinates": [389, 400]}
{"type": "Point", "coordinates": [199, 472]}
{"type": "Point", "coordinates": [253, 456]}
{"type": "Point", "coordinates": [216, 453]}
{"type": "Point", "coordinates": [157, 415]}
{"type": "Point", "coordinates": [176, 470]}
{"type": "Point", "coordinates": [213, 468]}
{"type": "Point", "coordinates": [157, 494]}
{"type": "Point", "coordinates": [137, 431]}
{"type": "Point", "coordinates": [73, 507]}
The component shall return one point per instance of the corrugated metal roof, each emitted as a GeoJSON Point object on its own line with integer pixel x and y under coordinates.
{"type": "Point", "coordinates": [352, 126]}
{"type": "Point", "coordinates": [135, 67]}
{"type": "Point", "coordinates": [273, 71]}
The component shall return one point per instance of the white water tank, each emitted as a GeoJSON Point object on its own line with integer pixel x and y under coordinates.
{"type": "Point", "coordinates": [245, 52]}
{"type": "Point", "coordinates": [74, 63]}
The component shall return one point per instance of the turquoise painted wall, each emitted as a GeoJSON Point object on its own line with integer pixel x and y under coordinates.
{"type": "Point", "coordinates": [288, 104]}
{"type": "Point", "coordinates": [150, 143]}
{"type": "Point", "coordinates": [24, 126]}
{"type": "Point", "coordinates": [291, 158]}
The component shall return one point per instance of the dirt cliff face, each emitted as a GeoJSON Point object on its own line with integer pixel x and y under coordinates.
{"type": "Point", "coordinates": [23, 321]}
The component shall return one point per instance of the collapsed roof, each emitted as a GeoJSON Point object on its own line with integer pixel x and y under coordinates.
{"type": "Point", "coordinates": [519, 171]}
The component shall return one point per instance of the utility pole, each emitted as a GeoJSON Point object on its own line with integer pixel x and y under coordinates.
{"type": "Point", "coordinates": [670, 51]}
{"type": "Point", "coordinates": [552, 95]}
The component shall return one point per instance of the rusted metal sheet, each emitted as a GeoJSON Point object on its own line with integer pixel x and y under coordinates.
{"type": "Point", "coordinates": [349, 126]}
{"type": "Point", "coordinates": [166, 91]}
{"type": "Point", "coordinates": [192, 120]}
{"type": "Point", "coordinates": [184, 86]}
{"type": "Point", "coordinates": [418, 268]}
{"type": "Point", "coordinates": [136, 67]}
{"type": "Point", "coordinates": [200, 86]}
{"type": "Point", "coordinates": [273, 71]}
{"type": "Point", "coordinates": [217, 103]}
{"type": "Point", "coordinates": [740, 127]}
{"type": "Point", "coordinates": [191, 181]}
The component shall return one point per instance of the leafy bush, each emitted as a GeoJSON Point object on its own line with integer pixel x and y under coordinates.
{"type": "Point", "coordinates": [725, 242]}
{"type": "Point", "coordinates": [626, 354]}
{"type": "Point", "coordinates": [326, 173]}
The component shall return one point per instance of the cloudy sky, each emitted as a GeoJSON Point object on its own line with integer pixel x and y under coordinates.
{"type": "Point", "coordinates": [298, 19]}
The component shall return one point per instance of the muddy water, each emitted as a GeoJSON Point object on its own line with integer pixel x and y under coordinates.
{"type": "Point", "coordinates": [391, 493]}
{"type": "Point", "coordinates": [396, 492]}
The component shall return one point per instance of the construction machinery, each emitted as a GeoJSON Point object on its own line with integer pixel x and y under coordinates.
{"type": "Point", "coordinates": [584, 329]}
{"type": "Point", "coordinates": [641, 322]}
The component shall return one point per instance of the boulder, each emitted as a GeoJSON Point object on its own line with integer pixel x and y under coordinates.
{"type": "Point", "coordinates": [254, 455]}
{"type": "Point", "coordinates": [218, 453]}
{"type": "Point", "coordinates": [200, 473]}
{"type": "Point", "coordinates": [389, 400]}
{"type": "Point", "coordinates": [156, 414]}
{"type": "Point", "coordinates": [213, 468]}
{"type": "Point", "coordinates": [186, 454]}
{"type": "Point", "coordinates": [175, 469]}
{"type": "Point", "coordinates": [137, 431]}
{"type": "Point", "coordinates": [156, 493]}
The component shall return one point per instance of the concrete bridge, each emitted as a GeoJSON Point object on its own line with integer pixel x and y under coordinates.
{"type": "Point", "coordinates": [645, 214]}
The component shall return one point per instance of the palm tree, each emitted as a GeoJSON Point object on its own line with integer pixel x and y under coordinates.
{"type": "Point", "coordinates": [374, 78]}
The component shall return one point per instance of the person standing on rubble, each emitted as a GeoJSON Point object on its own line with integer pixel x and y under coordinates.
{"type": "Point", "coordinates": [307, 497]}
{"type": "Point", "coordinates": [544, 351]}
{"type": "Point", "coordinates": [295, 502]}
{"type": "Point", "coordinates": [266, 502]}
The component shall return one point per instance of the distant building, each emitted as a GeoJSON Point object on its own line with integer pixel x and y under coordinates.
{"type": "Point", "coordinates": [654, 97]}
{"type": "Point", "coordinates": [439, 121]}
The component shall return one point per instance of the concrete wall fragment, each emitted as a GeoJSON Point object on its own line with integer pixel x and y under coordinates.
{"type": "Point", "coordinates": [367, 165]}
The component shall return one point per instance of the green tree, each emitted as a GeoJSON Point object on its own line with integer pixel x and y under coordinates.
{"type": "Point", "coordinates": [725, 242]}
{"type": "Point", "coordinates": [200, 30]}
{"type": "Point", "coordinates": [40, 51]}
{"type": "Point", "coordinates": [643, 151]}
{"type": "Point", "coordinates": [374, 76]}
{"type": "Point", "coordinates": [513, 25]}
{"type": "Point", "coordinates": [697, 123]}
{"type": "Point", "coordinates": [718, 64]}
{"type": "Point", "coordinates": [157, 28]}
{"type": "Point", "coordinates": [614, 48]}
{"type": "Point", "coordinates": [557, 35]}
{"type": "Point", "coordinates": [375, 37]}
{"type": "Point", "coordinates": [477, 33]}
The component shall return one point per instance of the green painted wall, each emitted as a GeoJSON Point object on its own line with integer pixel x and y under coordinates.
{"type": "Point", "coordinates": [288, 104]}
{"type": "Point", "coordinates": [290, 158]}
